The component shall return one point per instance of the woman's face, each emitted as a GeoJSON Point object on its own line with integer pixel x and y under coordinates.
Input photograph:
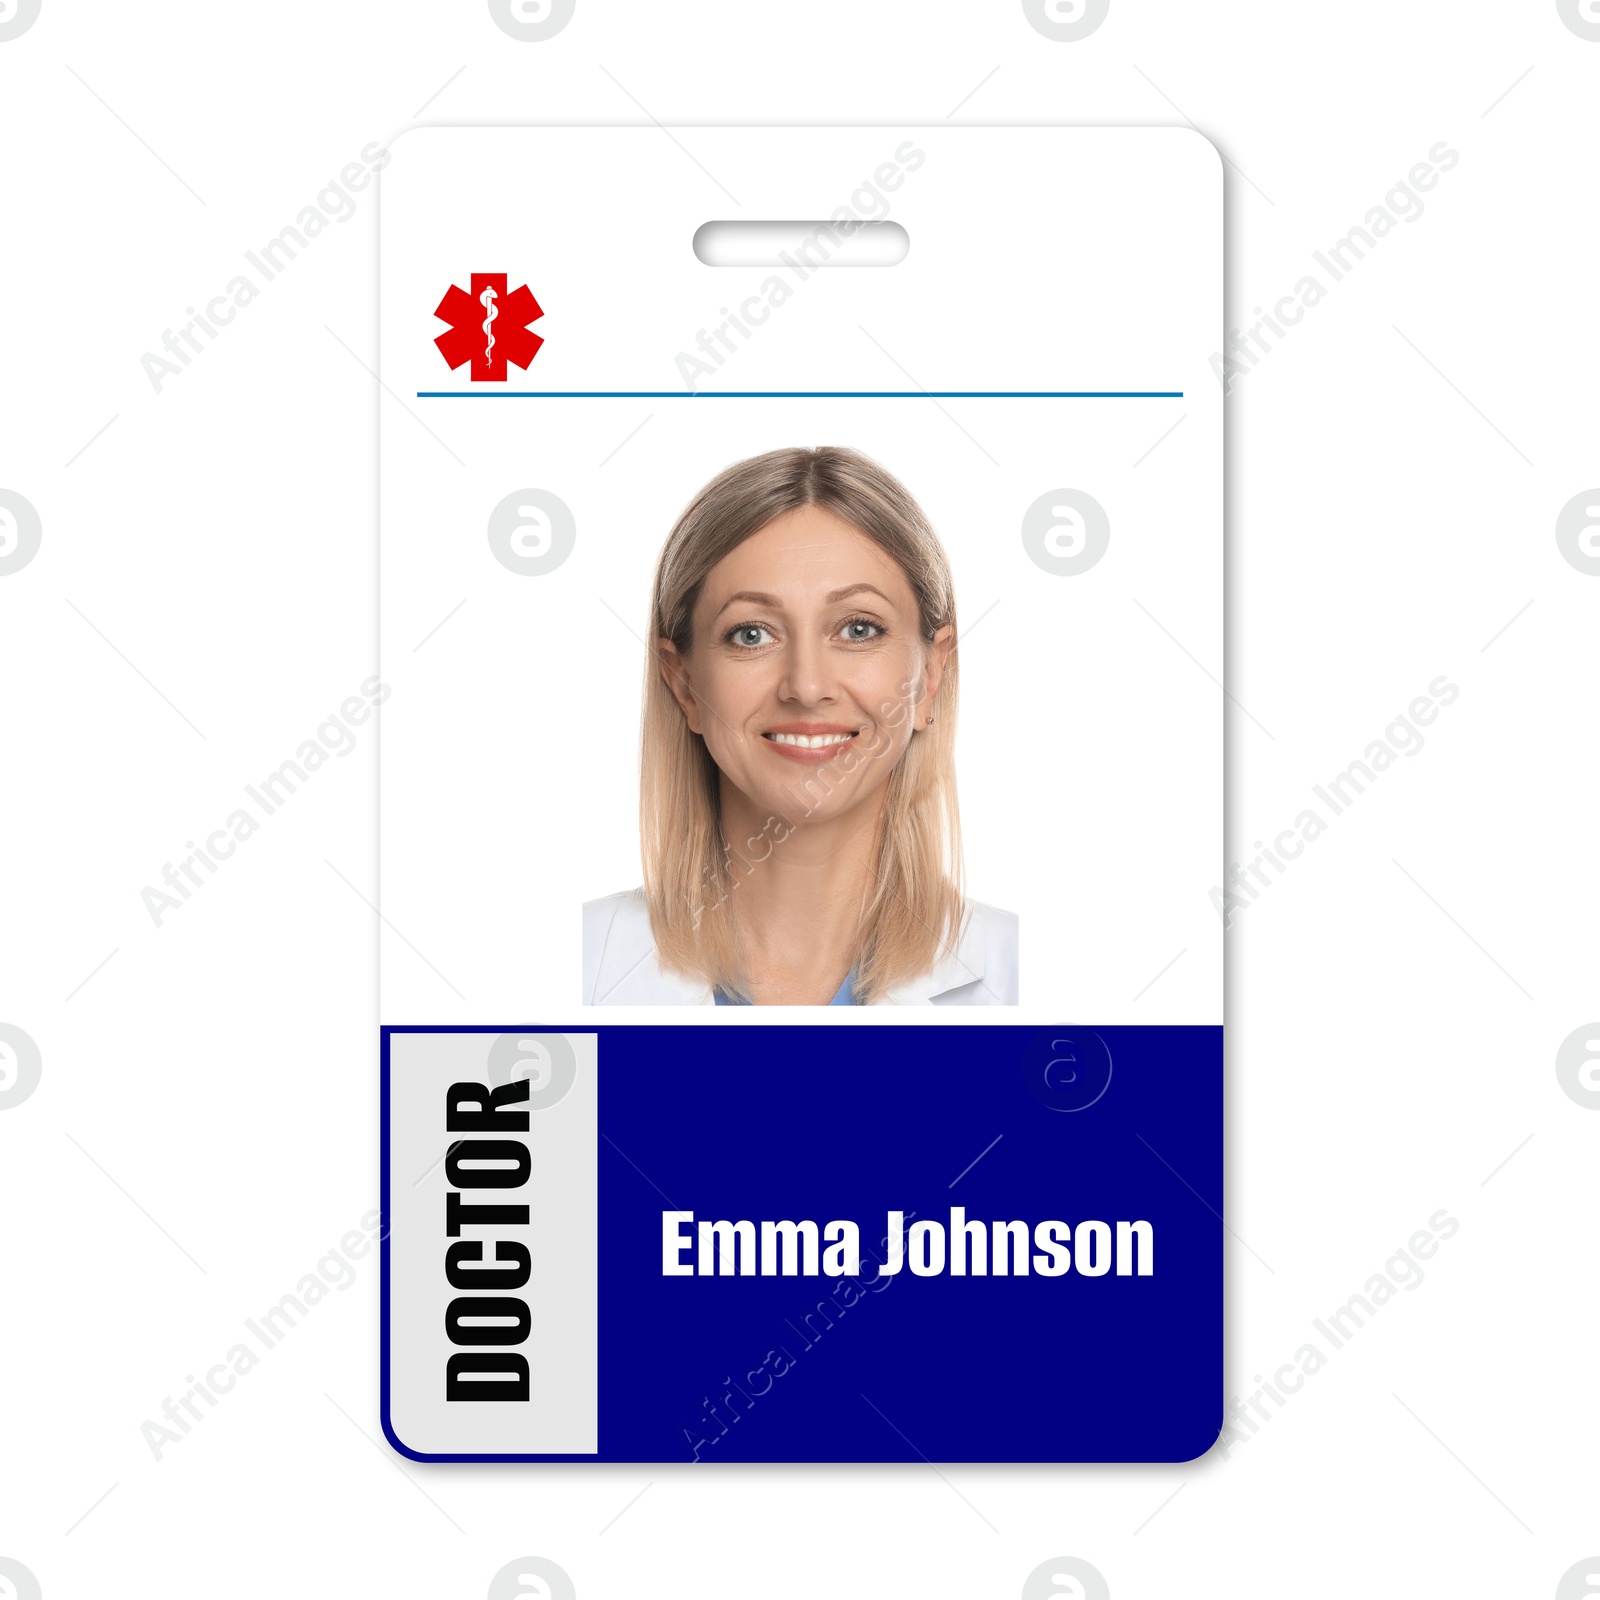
{"type": "Point", "coordinates": [808, 676]}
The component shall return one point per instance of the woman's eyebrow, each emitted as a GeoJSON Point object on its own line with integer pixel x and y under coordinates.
{"type": "Point", "coordinates": [857, 588]}
{"type": "Point", "coordinates": [753, 596]}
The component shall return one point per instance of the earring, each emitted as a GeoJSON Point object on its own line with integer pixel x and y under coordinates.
{"type": "Point", "coordinates": [930, 719]}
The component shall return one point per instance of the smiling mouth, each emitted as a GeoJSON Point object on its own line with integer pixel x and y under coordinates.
{"type": "Point", "coordinates": [810, 741]}
{"type": "Point", "coordinates": [810, 746]}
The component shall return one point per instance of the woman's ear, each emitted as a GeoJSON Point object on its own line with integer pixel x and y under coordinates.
{"type": "Point", "coordinates": [675, 673]}
{"type": "Point", "coordinates": [939, 648]}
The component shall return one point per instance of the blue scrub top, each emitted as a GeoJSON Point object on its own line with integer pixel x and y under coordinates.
{"type": "Point", "coordinates": [845, 997]}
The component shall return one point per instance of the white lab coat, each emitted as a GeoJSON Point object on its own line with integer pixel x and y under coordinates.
{"type": "Point", "coordinates": [620, 967]}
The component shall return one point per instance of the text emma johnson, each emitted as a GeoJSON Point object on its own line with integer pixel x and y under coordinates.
{"type": "Point", "coordinates": [977, 1249]}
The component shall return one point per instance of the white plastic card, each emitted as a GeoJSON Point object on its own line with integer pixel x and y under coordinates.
{"type": "Point", "coordinates": [1005, 336]}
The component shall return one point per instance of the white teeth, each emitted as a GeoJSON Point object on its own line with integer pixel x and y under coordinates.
{"type": "Point", "coordinates": [810, 741]}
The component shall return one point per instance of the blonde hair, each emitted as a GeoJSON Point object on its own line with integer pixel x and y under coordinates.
{"type": "Point", "coordinates": [913, 908]}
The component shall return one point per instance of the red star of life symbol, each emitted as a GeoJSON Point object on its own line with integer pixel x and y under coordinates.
{"type": "Point", "coordinates": [488, 327]}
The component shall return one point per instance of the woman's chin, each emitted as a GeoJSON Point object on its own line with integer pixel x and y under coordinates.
{"type": "Point", "coordinates": [801, 795]}
{"type": "Point", "coordinates": [805, 804]}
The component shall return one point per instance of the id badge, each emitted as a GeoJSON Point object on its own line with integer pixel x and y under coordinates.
{"type": "Point", "coordinates": [801, 608]}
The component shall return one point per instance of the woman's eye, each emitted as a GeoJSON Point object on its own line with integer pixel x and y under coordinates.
{"type": "Point", "coordinates": [749, 636]}
{"type": "Point", "coordinates": [860, 631]}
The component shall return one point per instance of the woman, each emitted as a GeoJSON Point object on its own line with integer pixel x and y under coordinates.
{"type": "Point", "coordinates": [800, 833]}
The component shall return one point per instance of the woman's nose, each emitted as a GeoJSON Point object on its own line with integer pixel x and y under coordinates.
{"type": "Point", "coordinates": [807, 673]}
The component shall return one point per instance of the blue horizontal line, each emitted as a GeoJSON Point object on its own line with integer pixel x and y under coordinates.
{"type": "Point", "coordinates": [800, 394]}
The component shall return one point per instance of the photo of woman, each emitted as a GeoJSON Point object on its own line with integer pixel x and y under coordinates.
{"type": "Point", "coordinates": [799, 826]}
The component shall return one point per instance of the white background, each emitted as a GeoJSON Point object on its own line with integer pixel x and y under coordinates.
{"type": "Point", "coordinates": [204, 1128]}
